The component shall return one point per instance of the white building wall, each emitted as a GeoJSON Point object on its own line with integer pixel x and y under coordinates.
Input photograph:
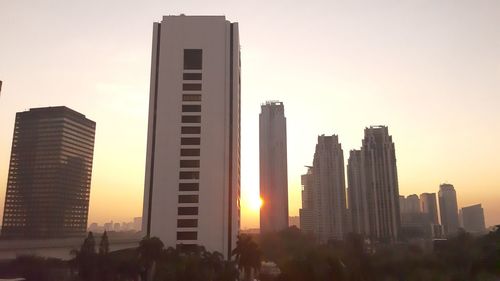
{"type": "Point", "coordinates": [219, 140]}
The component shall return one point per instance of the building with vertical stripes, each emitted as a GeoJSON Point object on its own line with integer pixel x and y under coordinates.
{"type": "Point", "coordinates": [192, 181]}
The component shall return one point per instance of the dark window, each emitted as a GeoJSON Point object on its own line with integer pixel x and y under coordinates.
{"type": "Point", "coordinates": [191, 76]}
{"type": "Point", "coordinates": [187, 211]}
{"type": "Point", "coordinates": [190, 163]}
{"type": "Point", "coordinates": [190, 152]}
{"type": "Point", "coordinates": [191, 119]}
{"type": "Point", "coordinates": [188, 198]}
{"type": "Point", "coordinates": [191, 97]}
{"type": "Point", "coordinates": [187, 235]}
{"type": "Point", "coordinates": [190, 141]}
{"type": "Point", "coordinates": [187, 223]}
{"type": "Point", "coordinates": [189, 186]}
{"type": "Point", "coordinates": [189, 175]}
{"type": "Point", "coordinates": [193, 58]}
{"type": "Point", "coordinates": [191, 130]}
{"type": "Point", "coordinates": [191, 87]}
{"type": "Point", "coordinates": [191, 108]}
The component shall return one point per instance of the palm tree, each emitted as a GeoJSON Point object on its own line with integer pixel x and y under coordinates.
{"type": "Point", "coordinates": [248, 255]}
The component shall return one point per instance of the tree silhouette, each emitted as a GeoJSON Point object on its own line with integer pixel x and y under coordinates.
{"type": "Point", "coordinates": [248, 255]}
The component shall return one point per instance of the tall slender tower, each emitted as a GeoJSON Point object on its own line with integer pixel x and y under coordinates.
{"type": "Point", "coordinates": [329, 218]}
{"type": "Point", "coordinates": [192, 182]}
{"type": "Point", "coordinates": [273, 167]}
{"type": "Point", "coordinates": [381, 180]}
{"type": "Point", "coordinates": [306, 212]}
{"type": "Point", "coordinates": [49, 176]}
{"type": "Point", "coordinates": [357, 194]}
{"type": "Point", "coordinates": [448, 208]}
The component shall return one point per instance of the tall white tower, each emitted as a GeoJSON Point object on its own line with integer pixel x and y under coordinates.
{"type": "Point", "coordinates": [273, 167]}
{"type": "Point", "coordinates": [192, 183]}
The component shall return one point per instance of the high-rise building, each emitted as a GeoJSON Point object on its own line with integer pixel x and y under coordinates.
{"type": "Point", "coordinates": [306, 212]}
{"type": "Point", "coordinates": [412, 204]}
{"type": "Point", "coordinates": [329, 195]}
{"type": "Point", "coordinates": [50, 170]}
{"type": "Point", "coordinates": [473, 219]}
{"type": "Point", "coordinates": [273, 167]}
{"type": "Point", "coordinates": [428, 205]}
{"type": "Point", "coordinates": [357, 194]}
{"type": "Point", "coordinates": [448, 208]}
{"type": "Point", "coordinates": [381, 179]}
{"type": "Point", "coordinates": [192, 182]}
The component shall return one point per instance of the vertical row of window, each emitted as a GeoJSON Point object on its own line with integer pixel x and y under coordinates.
{"type": "Point", "coordinates": [189, 172]}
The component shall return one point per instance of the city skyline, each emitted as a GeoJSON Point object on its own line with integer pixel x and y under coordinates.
{"type": "Point", "coordinates": [441, 91]}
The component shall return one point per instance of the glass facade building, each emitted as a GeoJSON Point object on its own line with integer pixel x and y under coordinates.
{"type": "Point", "coordinates": [50, 170]}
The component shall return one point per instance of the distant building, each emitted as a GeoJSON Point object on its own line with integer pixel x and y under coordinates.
{"type": "Point", "coordinates": [137, 224]}
{"type": "Point", "coordinates": [192, 181]}
{"type": "Point", "coordinates": [412, 205]}
{"type": "Point", "coordinates": [294, 221]}
{"type": "Point", "coordinates": [306, 212]}
{"type": "Point", "coordinates": [329, 195]}
{"type": "Point", "coordinates": [428, 205]}
{"type": "Point", "coordinates": [50, 171]}
{"type": "Point", "coordinates": [273, 167]}
{"type": "Point", "coordinates": [108, 226]}
{"type": "Point", "coordinates": [357, 194]}
{"type": "Point", "coordinates": [448, 208]}
{"type": "Point", "coordinates": [473, 219]}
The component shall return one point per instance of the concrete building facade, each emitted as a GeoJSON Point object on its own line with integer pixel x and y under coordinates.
{"type": "Point", "coordinates": [273, 167]}
{"type": "Point", "coordinates": [192, 182]}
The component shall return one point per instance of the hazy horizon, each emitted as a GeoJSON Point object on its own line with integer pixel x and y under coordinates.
{"type": "Point", "coordinates": [428, 70]}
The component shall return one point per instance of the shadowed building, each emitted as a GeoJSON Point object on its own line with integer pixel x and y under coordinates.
{"type": "Point", "coordinates": [357, 194]}
{"type": "Point", "coordinates": [448, 208]}
{"type": "Point", "coordinates": [428, 205]}
{"type": "Point", "coordinates": [192, 182]}
{"type": "Point", "coordinates": [50, 170]}
{"type": "Point", "coordinates": [306, 212]}
{"type": "Point", "coordinates": [273, 167]}
{"type": "Point", "coordinates": [473, 219]}
{"type": "Point", "coordinates": [373, 187]}
{"type": "Point", "coordinates": [329, 195]}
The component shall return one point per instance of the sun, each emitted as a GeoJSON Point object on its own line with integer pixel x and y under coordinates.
{"type": "Point", "coordinates": [255, 203]}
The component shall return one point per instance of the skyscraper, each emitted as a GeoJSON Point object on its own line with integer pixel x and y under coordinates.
{"type": "Point", "coordinates": [448, 208]}
{"type": "Point", "coordinates": [473, 219]}
{"type": "Point", "coordinates": [273, 167]}
{"type": "Point", "coordinates": [329, 197]}
{"type": "Point", "coordinates": [50, 170]}
{"type": "Point", "coordinates": [192, 183]}
{"type": "Point", "coordinates": [428, 205]}
{"type": "Point", "coordinates": [381, 180]}
{"type": "Point", "coordinates": [306, 212]}
{"type": "Point", "coordinates": [357, 194]}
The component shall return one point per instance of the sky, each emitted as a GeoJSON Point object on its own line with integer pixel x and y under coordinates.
{"type": "Point", "coordinates": [430, 70]}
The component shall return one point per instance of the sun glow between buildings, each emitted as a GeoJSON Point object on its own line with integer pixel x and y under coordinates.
{"type": "Point", "coordinates": [255, 203]}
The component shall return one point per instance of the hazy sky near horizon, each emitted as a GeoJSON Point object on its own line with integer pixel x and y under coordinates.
{"type": "Point", "coordinates": [428, 69]}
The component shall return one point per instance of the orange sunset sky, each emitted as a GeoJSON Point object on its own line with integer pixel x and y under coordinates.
{"type": "Point", "coordinates": [428, 69]}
